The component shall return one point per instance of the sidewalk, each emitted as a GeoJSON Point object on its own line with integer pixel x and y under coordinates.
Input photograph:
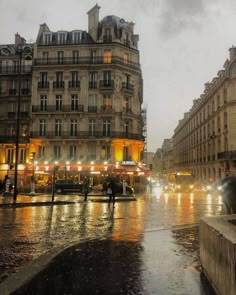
{"type": "Point", "coordinates": [46, 199]}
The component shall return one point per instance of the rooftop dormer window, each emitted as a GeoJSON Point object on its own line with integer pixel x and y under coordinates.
{"type": "Point", "coordinates": [107, 35]}
{"type": "Point", "coordinates": [61, 37]}
{"type": "Point", "coordinates": [47, 38]}
{"type": "Point", "coordinates": [126, 40]}
{"type": "Point", "coordinates": [76, 37]}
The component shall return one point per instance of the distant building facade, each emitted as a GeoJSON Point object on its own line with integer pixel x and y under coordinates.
{"type": "Point", "coordinates": [204, 142]}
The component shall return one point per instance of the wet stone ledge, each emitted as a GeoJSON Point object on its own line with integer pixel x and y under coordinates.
{"type": "Point", "coordinates": [218, 252]}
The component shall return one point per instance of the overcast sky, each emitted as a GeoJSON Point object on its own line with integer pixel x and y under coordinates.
{"type": "Point", "coordinates": [183, 44]}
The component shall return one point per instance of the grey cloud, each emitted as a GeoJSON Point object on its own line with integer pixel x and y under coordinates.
{"type": "Point", "coordinates": [177, 15]}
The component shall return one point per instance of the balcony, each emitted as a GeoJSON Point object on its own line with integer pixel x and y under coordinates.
{"type": "Point", "coordinates": [15, 70]}
{"type": "Point", "coordinates": [106, 109]}
{"type": "Point", "coordinates": [106, 84]}
{"type": "Point", "coordinates": [58, 84]}
{"type": "Point", "coordinates": [92, 109]}
{"type": "Point", "coordinates": [230, 155]}
{"type": "Point", "coordinates": [43, 84]}
{"type": "Point", "coordinates": [92, 84]}
{"type": "Point", "coordinates": [22, 115]}
{"type": "Point", "coordinates": [85, 135]}
{"type": "Point", "coordinates": [58, 109]}
{"type": "Point", "coordinates": [12, 91]}
{"type": "Point", "coordinates": [127, 88]}
{"type": "Point", "coordinates": [98, 60]}
{"type": "Point", "coordinates": [25, 91]}
{"type": "Point", "coordinates": [12, 139]}
{"type": "Point", "coordinates": [74, 84]}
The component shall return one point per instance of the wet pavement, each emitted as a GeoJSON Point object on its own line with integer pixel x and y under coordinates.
{"type": "Point", "coordinates": [147, 246]}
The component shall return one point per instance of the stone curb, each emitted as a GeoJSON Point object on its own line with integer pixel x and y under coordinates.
{"type": "Point", "coordinates": [27, 273]}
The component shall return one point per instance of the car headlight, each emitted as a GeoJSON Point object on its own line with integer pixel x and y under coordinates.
{"type": "Point", "coordinates": [191, 186]}
{"type": "Point", "coordinates": [178, 186]}
{"type": "Point", "coordinates": [219, 188]}
{"type": "Point", "coordinates": [208, 187]}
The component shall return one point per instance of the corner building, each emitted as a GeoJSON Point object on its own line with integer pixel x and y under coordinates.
{"type": "Point", "coordinates": [87, 93]}
{"type": "Point", "coordinates": [204, 142]}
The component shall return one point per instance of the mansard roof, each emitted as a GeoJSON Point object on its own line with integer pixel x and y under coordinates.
{"type": "Point", "coordinates": [118, 23]}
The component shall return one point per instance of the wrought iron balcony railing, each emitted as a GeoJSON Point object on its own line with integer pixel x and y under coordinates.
{"type": "Point", "coordinates": [227, 155]}
{"type": "Point", "coordinates": [106, 84]}
{"type": "Point", "coordinates": [92, 109]}
{"type": "Point", "coordinates": [127, 88]}
{"type": "Point", "coordinates": [74, 84]}
{"type": "Point", "coordinates": [58, 84]}
{"type": "Point", "coordinates": [22, 115]}
{"type": "Point", "coordinates": [58, 108]}
{"type": "Point", "coordinates": [92, 84]}
{"type": "Point", "coordinates": [12, 139]}
{"type": "Point", "coordinates": [43, 84]}
{"type": "Point", "coordinates": [85, 135]}
{"type": "Point", "coordinates": [106, 109]}
{"type": "Point", "coordinates": [98, 60]}
{"type": "Point", "coordinates": [15, 70]}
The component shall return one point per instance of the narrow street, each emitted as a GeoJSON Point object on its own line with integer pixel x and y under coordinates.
{"type": "Point", "coordinates": [146, 246]}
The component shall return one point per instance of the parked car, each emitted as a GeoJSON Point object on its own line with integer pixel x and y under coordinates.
{"type": "Point", "coordinates": [63, 187]}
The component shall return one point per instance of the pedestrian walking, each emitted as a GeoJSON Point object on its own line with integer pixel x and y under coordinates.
{"type": "Point", "coordinates": [228, 194]}
{"type": "Point", "coordinates": [86, 188]}
{"type": "Point", "coordinates": [111, 191]}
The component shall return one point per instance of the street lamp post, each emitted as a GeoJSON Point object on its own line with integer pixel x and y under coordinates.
{"type": "Point", "coordinates": [55, 167]}
{"type": "Point", "coordinates": [19, 51]}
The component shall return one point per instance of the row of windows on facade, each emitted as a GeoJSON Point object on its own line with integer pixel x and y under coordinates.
{"type": "Point", "coordinates": [8, 66]}
{"type": "Point", "coordinates": [77, 36]}
{"type": "Point", "coordinates": [73, 128]}
{"type": "Point", "coordinates": [209, 110]}
{"type": "Point", "coordinates": [92, 101]}
{"type": "Point", "coordinates": [212, 127]}
{"type": "Point", "coordinates": [73, 153]}
{"type": "Point", "coordinates": [75, 56]}
{"type": "Point", "coordinates": [202, 153]}
{"type": "Point", "coordinates": [107, 76]}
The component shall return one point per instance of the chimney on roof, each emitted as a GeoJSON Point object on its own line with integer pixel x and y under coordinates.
{"type": "Point", "coordinates": [232, 53]}
{"type": "Point", "coordinates": [93, 20]}
{"type": "Point", "coordinates": [19, 40]}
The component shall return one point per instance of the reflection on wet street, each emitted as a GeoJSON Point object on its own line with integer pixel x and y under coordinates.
{"type": "Point", "coordinates": [151, 244]}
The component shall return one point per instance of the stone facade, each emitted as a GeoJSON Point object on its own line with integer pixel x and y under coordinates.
{"type": "Point", "coordinates": [87, 93]}
{"type": "Point", "coordinates": [204, 142]}
{"type": "Point", "coordinates": [84, 96]}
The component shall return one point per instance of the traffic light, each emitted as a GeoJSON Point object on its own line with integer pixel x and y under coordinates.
{"type": "Point", "coordinates": [32, 156]}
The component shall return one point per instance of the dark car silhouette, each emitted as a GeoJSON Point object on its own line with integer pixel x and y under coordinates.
{"type": "Point", "coordinates": [118, 187]}
{"type": "Point", "coordinates": [63, 187]}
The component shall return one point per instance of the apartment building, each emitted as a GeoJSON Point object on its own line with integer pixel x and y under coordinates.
{"type": "Point", "coordinates": [80, 98]}
{"type": "Point", "coordinates": [15, 104]}
{"type": "Point", "coordinates": [204, 142]}
{"type": "Point", "coordinates": [87, 93]}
